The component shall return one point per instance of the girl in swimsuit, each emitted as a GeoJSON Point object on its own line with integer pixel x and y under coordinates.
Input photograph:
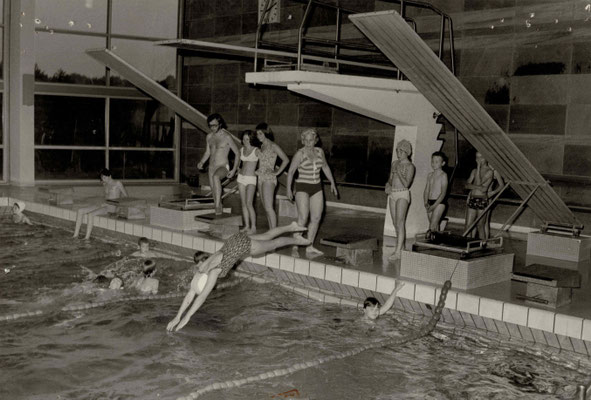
{"type": "Point", "coordinates": [236, 248]}
{"type": "Point", "coordinates": [267, 173]}
{"type": "Point", "coordinates": [247, 180]}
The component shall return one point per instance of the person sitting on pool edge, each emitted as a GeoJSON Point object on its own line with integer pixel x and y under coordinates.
{"type": "Point", "coordinates": [17, 213]}
{"type": "Point", "coordinates": [147, 283]}
{"type": "Point", "coordinates": [372, 308]}
{"type": "Point", "coordinates": [218, 265]}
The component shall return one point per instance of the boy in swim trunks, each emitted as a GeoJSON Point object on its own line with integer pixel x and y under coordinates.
{"type": "Point", "coordinates": [479, 184]}
{"type": "Point", "coordinates": [436, 191]}
{"type": "Point", "coordinates": [113, 191]}
{"type": "Point", "coordinates": [218, 265]}
{"type": "Point", "coordinates": [219, 144]}
{"type": "Point", "coordinates": [145, 251]}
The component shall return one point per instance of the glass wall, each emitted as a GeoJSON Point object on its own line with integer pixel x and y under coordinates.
{"type": "Point", "coordinates": [3, 149]}
{"type": "Point", "coordinates": [88, 117]}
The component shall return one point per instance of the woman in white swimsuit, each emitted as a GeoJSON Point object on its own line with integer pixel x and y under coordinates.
{"type": "Point", "coordinates": [247, 180]}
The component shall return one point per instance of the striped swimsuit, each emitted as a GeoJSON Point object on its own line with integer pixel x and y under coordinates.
{"type": "Point", "coordinates": [308, 180]}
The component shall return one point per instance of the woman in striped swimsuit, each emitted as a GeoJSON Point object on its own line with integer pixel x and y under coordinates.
{"type": "Point", "coordinates": [309, 197]}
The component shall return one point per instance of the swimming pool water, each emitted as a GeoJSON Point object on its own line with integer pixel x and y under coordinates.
{"type": "Point", "coordinates": [122, 351]}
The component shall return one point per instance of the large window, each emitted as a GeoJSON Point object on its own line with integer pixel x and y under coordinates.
{"type": "Point", "coordinates": [88, 117]}
{"type": "Point", "coordinates": [3, 149]}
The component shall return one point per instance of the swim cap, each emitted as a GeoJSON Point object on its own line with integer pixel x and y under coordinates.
{"type": "Point", "coordinates": [405, 146]}
{"type": "Point", "coordinates": [201, 283]}
{"type": "Point", "coordinates": [20, 204]}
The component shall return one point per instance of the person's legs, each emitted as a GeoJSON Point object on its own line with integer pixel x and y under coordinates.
{"type": "Point", "coordinates": [250, 190]}
{"type": "Point", "coordinates": [268, 199]}
{"type": "Point", "coordinates": [302, 200]}
{"type": "Point", "coordinates": [243, 200]}
{"type": "Point", "coordinates": [481, 225]}
{"type": "Point", "coordinates": [316, 209]}
{"type": "Point", "coordinates": [259, 247]}
{"type": "Point", "coordinates": [80, 216]}
{"type": "Point", "coordinates": [401, 210]}
{"type": "Point", "coordinates": [470, 217]}
{"type": "Point", "coordinates": [100, 211]}
{"type": "Point", "coordinates": [216, 181]}
{"type": "Point", "coordinates": [280, 230]}
{"type": "Point", "coordinates": [435, 218]}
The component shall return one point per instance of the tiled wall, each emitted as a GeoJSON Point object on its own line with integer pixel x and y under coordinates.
{"type": "Point", "coordinates": [526, 62]}
{"type": "Point", "coordinates": [331, 283]}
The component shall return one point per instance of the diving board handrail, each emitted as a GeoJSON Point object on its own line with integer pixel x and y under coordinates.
{"type": "Point", "coordinates": [389, 31]}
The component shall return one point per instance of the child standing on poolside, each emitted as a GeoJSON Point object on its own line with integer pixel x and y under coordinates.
{"type": "Point", "coordinates": [247, 179]}
{"type": "Point", "coordinates": [402, 174]}
{"type": "Point", "coordinates": [436, 191]}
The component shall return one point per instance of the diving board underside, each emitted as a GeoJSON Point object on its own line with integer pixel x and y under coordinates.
{"type": "Point", "coordinates": [397, 40]}
{"type": "Point", "coordinates": [151, 87]}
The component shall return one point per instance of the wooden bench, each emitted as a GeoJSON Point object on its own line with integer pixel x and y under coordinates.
{"type": "Point", "coordinates": [547, 285]}
{"type": "Point", "coordinates": [58, 195]}
{"type": "Point", "coordinates": [354, 248]}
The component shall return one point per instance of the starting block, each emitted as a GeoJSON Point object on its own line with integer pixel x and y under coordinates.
{"type": "Point", "coordinates": [560, 242]}
{"type": "Point", "coordinates": [178, 218]}
{"type": "Point", "coordinates": [547, 285]}
{"type": "Point", "coordinates": [355, 249]}
{"type": "Point", "coordinates": [59, 195]}
{"type": "Point", "coordinates": [221, 225]}
{"type": "Point", "coordinates": [463, 246]}
{"type": "Point", "coordinates": [130, 208]}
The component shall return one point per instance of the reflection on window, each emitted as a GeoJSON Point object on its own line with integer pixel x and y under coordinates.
{"type": "Point", "coordinates": [61, 58]}
{"type": "Point", "coordinates": [140, 123]}
{"type": "Point", "coordinates": [79, 15]}
{"type": "Point", "coordinates": [68, 164]}
{"type": "Point", "coordinates": [1, 53]}
{"type": "Point", "coordinates": [75, 121]}
{"type": "Point", "coordinates": [157, 62]}
{"type": "Point", "coordinates": [142, 164]}
{"type": "Point", "coordinates": [154, 18]}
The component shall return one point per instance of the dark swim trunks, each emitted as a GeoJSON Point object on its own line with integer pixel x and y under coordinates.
{"type": "Point", "coordinates": [310, 188]}
{"type": "Point", "coordinates": [236, 247]}
{"type": "Point", "coordinates": [477, 203]}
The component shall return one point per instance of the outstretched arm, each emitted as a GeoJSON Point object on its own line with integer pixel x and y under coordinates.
{"type": "Point", "coordinates": [122, 191]}
{"type": "Point", "coordinates": [390, 302]}
{"type": "Point", "coordinates": [212, 278]}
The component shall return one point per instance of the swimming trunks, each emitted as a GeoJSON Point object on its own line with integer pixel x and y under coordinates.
{"type": "Point", "coordinates": [477, 203]}
{"type": "Point", "coordinates": [310, 188]}
{"type": "Point", "coordinates": [247, 179]}
{"type": "Point", "coordinates": [236, 247]}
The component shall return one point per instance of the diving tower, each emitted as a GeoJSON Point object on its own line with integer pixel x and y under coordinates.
{"type": "Point", "coordinates": [392, 35]}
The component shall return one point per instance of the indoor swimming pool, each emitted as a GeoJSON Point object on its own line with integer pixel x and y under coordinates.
{"type": "Point", "coordinates": [122, 350]}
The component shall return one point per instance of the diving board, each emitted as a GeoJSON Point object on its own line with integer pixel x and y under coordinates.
{"type": "Point", "coordinates": [397, 40]}
{"type": "Point", "coordinates": [150, 87]}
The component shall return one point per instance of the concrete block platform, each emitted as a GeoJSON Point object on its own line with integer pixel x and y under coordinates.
{"type": "Point", "coordinates": [183, 220]}
{"type": "Point", "coordinates": [433, 267]}
{"type": "Point", "coordinates": [559, 246]}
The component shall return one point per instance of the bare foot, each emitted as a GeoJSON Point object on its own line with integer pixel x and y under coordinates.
{"type": "Point", "coordinates": [302, 241]}
{"type": "Point", "coordinates": [313, 251]}
{"type": "Point", "coordinates": [294, 227]}
{"type": "Point", "coordinates": [245, 229]}
{"type": "Point", "coordinates": [252, 231]}
{"type": "Point", "coordinates": [394, 256]}
{"type": "Point", "coordinates": [219, 210]}
{"type": "Point", "coordinates": [294, 252]}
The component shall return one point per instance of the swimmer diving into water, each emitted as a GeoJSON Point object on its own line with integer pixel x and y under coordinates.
{"type": "Point", "coordinates": [236, 248]}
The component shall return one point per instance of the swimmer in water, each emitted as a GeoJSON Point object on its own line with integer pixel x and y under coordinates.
{"type": "Point", "coordinates": [147, 283]}
{"type": "Point", "coordinates": [218, 265]}
{"type": "Point", "coordinates": [372, 308]}
{"type": "Point", "coordinates": [17, 213]}
{"type": "Point", "coordinates": [145, 251]}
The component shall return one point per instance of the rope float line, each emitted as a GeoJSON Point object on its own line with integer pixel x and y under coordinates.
{"type": "Point", "coordinates": [87, 306]}
{"type": "Point", "coordinates": [423, 331]}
